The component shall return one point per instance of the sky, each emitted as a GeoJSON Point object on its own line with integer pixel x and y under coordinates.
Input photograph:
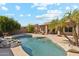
{"type": "Point", "coordinates": [35, 13]}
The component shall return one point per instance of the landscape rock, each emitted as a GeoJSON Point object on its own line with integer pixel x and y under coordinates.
{"type": "Point", "coordinates": [9, 43]}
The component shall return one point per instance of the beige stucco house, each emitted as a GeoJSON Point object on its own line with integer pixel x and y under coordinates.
{"type": "Point", "coordinates": [44, 28]}
{"type": "Point", "coordinates": [41, 28]}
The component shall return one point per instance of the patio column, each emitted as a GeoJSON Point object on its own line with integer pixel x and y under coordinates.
{"type": "Point", "coordinates": [58, 32]}
{"type": "Point", "coordinates": [77, 29]}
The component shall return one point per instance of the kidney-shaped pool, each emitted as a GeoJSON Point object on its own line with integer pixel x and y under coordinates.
{"type": "Point", "coordinates": [40, 46]}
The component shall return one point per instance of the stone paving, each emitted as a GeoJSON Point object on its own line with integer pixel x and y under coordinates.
{"type": "Point", "coordinates": [5, 52]}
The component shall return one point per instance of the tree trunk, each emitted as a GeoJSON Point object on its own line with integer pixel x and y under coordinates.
{"type": "Point", "coordinates": [68, 38]}
{"type": "Point", "coordinates": [75, 36]}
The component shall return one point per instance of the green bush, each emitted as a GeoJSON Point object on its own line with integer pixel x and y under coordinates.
{"type": "Point", "coordinates": [8, 25]}
{"type": "Point", "coordinates": [30, 28]}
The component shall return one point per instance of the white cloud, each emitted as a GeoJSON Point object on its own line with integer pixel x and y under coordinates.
{"type": "Point", "coordinates": [57, 4]}
{"type": "Point", "coordinates": [75, 7]}
{"type": "Point", "coordinates": [50, 14]}
{"type": "Point", "coordinates": [40, 16]}
{"type": "Point", "coordinates": [18, 7]}
{"type": "Point", "coordinates": [29, 14]}
{"type": "Point", "coordinates": [24, 15]}
{"type": "Point", "coordinates": [21, 15]}
{"type": "Point", "coordinates": [40, 6]}
{"type": "Point", "coordinates": [4, 8]}
{"type": "Point", "coordinates": [2, 4]}
{"type": "Point", "coordinates": [67, 8]}
{"type": "Point", "coordinates": [54, 11]}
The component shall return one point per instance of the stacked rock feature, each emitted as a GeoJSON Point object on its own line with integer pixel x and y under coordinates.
{"type": "Point", "coordinates": [9, 43]}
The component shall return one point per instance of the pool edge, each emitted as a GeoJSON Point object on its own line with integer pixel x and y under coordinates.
{"type": "Point", "coordinates": [18, 51]}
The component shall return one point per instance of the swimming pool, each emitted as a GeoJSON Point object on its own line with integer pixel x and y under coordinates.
{"type": "Point", "coordinates": [40, 46]}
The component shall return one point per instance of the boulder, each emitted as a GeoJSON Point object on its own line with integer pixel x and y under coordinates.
{"type": "Point", "coordinates": [7, 43]}
{"type": "Point", "coordinates": [73, 50]}
{"type": "Point", "coordinates": [1, 46]}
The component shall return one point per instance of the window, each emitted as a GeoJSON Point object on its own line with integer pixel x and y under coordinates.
{"type": "Point", "coordinates": [68, 29]}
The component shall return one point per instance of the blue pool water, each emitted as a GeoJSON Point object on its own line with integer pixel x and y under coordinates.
{"type": "Point", "coordinates": [40, 46]}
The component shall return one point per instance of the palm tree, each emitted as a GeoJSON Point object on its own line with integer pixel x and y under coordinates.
{"type": "Point", "coordinates": [53, 25]}
{"type": "Point", "coordinates": [73, 18]}
{"type": "Point", "coordinates": [63, 24]}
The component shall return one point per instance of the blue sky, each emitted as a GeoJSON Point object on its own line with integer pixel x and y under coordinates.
{"type": "Point", "coordinates": [35, 13]}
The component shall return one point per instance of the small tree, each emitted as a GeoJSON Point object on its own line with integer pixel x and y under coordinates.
{"type": "Point", "coordinates": [30, 28]}
{"type": "Point", "coordinates": [8, 25]}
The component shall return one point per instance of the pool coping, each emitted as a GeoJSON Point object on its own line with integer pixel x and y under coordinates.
{"type": "Point", "coordinates": [18, 51]}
